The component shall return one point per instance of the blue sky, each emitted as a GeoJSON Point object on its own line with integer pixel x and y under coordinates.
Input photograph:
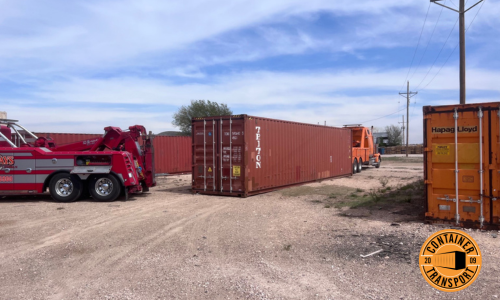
{"type": "Point", "coordinates": [78, 66]}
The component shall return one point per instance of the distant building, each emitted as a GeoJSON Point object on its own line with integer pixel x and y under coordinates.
{"type": "Point", "coordinates": [380, 138]}
{"type": "Point", "coordinates": [3, 115]}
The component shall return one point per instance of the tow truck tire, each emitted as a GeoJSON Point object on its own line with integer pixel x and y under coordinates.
{"type": "Point", "coordinates": [355, 166]}
{"type": "Point", "coordinates": [360, 165]}
{"type": "Point", "coordinates": [65, 187]}
{"type": "Point", "coordinates": [104, 187]}
{"type": "Point", "coordinates": [379, 162]}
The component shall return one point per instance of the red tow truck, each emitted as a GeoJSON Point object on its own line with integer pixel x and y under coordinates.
{"type": "Point", "coordinates": [118, 163]}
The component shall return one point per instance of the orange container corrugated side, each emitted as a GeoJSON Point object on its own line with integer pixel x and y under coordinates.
{"type": "Point", "coordinates": [244, 155]}
{"type": "Point", "coordinates": [172, 154]}
{"type": "Point", "coordinates": [477, 155]}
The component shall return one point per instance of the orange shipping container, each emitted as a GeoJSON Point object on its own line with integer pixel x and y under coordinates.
{"type": "Point", "coordinates": [462, 164]}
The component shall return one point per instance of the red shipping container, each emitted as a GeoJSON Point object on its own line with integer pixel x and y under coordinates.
{"type": "Point", "coordinates": [68, 138]}
{"type": "Point", "coordinates": [244, 155]}
{"type": "Point", "coordinates": [172, 154]}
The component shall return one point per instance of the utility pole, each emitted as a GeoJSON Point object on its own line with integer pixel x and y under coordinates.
{"type": "Point", "coordinates": [403, 127]}
{"type": "Point", "coordinates": [408, 96]}
{"type": "Point", "coordinates": [461, 17]}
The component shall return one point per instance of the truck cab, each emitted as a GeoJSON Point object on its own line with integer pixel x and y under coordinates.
{"type": "Point", "coordinates": [364, 152]}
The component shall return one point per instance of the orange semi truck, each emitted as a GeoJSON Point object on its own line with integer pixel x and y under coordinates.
{"type": "Point", "coordinates": [363, 148]}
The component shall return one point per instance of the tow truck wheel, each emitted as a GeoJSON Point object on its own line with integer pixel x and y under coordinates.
{"type": "Point", "coordinates": [65, 187]}
{"type": "Point", "coordinates": [104, 187]}
{"type": "Point", "coordinates": [379, 162]}
{"type": "Point", "coordinates": [355, 166]}
{"type": "Point", "coordinates": [360, 165]}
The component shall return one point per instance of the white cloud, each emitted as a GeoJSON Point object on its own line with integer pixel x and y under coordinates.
{"type": "Point", "coordinates": [309, 97]}
{"type": "Point", "coordinates": [94, 63]}
{"type": "Point", "coordinates": [110, 33]}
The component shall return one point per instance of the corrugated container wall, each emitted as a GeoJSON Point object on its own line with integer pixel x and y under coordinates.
{"type": "Point", "coordinates": [244, 155]}
{"type": "Point", "coordinates": [462, 161]}
{"type": "Point", "coordinates": [172, 154]}
{"type": "Point", "coordinates": [68, 138]}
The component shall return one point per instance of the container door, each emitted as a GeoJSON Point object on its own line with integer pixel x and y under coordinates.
{"type": "Point", "coordinates": [453, 166]}
{"type": "Point", "coordinates": [205, 136]}
{"type": "Point", "coordinates": [6, 171]}
{"type": "Point", "coordinates": [232, 147]}
{"type": "Point", "coordinates": [24, 169]}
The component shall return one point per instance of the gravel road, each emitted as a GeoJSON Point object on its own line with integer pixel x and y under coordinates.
{"type": "Point", "coordinates": [298, 243]}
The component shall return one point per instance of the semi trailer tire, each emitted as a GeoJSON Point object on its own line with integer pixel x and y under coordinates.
{"type": "Point", "coordinates": [379, 162]}
{"type": "Point", "coordinates": [360, 165]}
{"type": "Point", "coordinates": [355, 166]}
{"type": "Point", "coordinates": [104, 187]}
{"type": "Point", "coordinates": [65, 187]}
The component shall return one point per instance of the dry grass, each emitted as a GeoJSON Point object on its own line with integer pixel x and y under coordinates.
{"type": "Point", "coordinates": [403, 159]}
{"type": "Point", "coordinates": [332, 191]}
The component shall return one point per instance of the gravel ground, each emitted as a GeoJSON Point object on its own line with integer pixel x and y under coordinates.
{"type": "Point", "coordinates": [298, 243]}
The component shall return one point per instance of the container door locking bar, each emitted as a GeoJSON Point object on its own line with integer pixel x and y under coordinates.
{"type": "Point", "coordinates": [230, 156]}
{"type": "Point", "coordinates": [204, 155]}
{"type": "Point", "coordinates": [221, 156]}
{"type": "Point", "coordinates": [481, 171]}
{"type": "Point", "coordinates": [213, 154]}
{"type": "Point", "coordinates": [457, 215]}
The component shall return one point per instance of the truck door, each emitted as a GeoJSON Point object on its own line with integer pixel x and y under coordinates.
{"type": "Point", "coordinates": [24, 169]}
{"type": "Point", "coordinates": [6, 173]}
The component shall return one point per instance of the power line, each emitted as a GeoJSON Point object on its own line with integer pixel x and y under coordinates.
{"type": "Point", "coordinates": [408, 95]}
{"type": "Point", "coordinates": [383, 116]}
{"type": "Point", "coordinates": [427, 46]}
{"type": "Point", "coordinates": [441, 50]}
{"type": "Point", "coordinates": [454, 4]}
{"type": "Point", "coordinates": [470, 24]}
{"type": "Point", "coordinates": [414, 105]}
{"type": "Point", "coordinates": [418, 43]}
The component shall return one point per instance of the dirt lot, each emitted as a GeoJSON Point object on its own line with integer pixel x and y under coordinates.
{"type": "Point", "coordinates": [299, 243]}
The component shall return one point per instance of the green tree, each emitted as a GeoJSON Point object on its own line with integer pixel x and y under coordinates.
{"type": "Point", "coordinates": [394, 135]}
{"type": "Point", "coordinates": [198, 109]}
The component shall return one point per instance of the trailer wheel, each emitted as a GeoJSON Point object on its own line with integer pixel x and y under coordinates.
{"type": "Point", "coordinates": [360, 165]}
{"type": "Point", "coordinates": [379, 162]}
{"type": "Point", "coordinates": [104, 187]}
{"type": "Point", "coordinates": [355, 166]}
{"type": "Point", "coordinates": [65, 187]}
